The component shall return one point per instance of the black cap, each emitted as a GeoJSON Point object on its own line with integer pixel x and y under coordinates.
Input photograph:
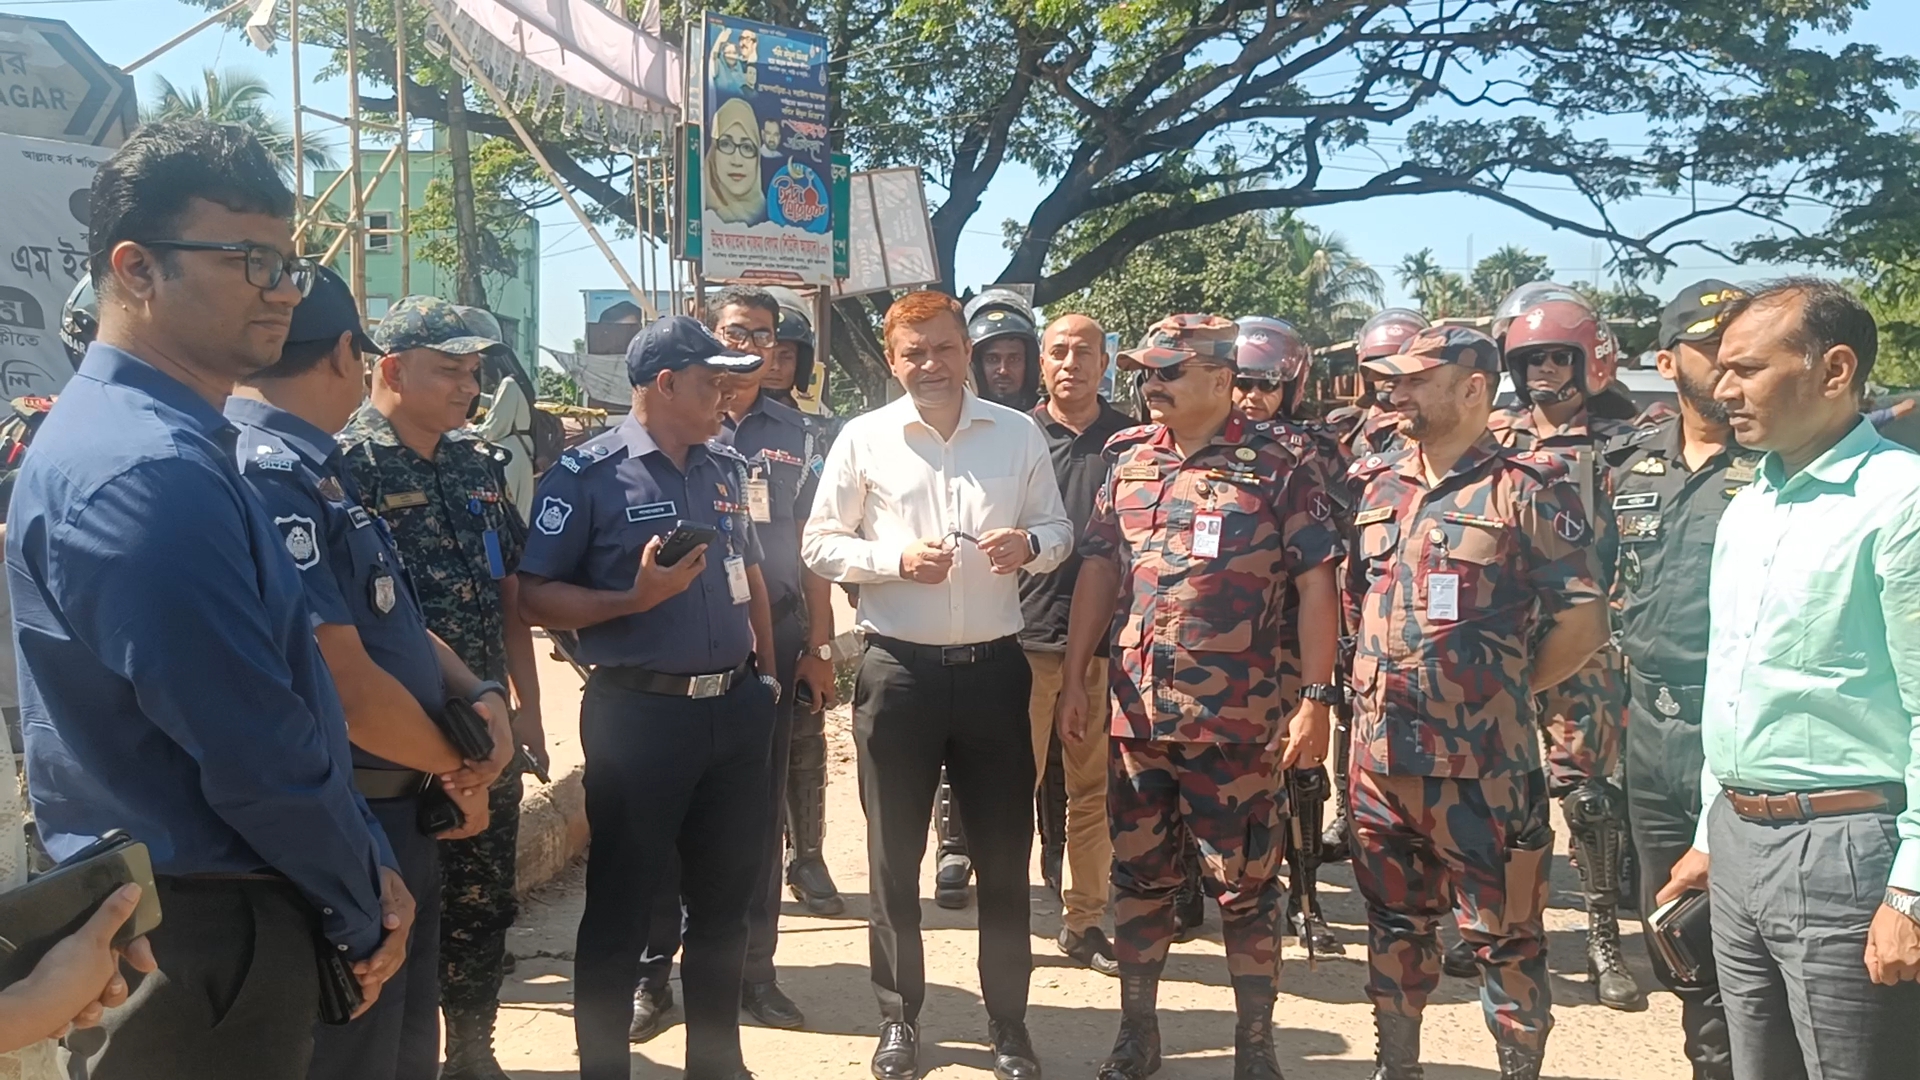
{"type": "Point", "coordinates": [326, 312]}
{"type": "Point", "coordinates": [1697, 312]}
{"type": "Point", "coordinates": [680, 341]}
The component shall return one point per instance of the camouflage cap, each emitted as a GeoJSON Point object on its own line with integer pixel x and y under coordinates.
{"type": "Point", "coordinates": [1438, 346]}
{"type": "Point", "coordinates": [427, 322]}
{"type": "Point", "coordinates": [1179, 338]}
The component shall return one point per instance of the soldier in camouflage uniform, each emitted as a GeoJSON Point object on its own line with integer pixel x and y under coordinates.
{"type": "Point", "coordinates": [442, 493]}
{"type": "Point", "coordinates": [1563, 357]}
{"type": "Point", "coordinates": [1204, 521]}
{"type": "Point", "coordinates": [1462, 549]}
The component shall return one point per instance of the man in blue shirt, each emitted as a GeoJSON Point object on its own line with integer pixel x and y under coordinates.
{"type": "Point", "coordinates": [393, 675]}
{"type": "Point", "coordinates": [170, 684]}
{"type": "Point", "coordinates": [677, 720]}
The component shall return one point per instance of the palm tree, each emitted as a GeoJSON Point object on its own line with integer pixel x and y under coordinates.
{"type": "Point", "coordinates": [1341, 289]}
{"type": "Point", "coordinates": [1506, 270]}
{"type": "Point", "coordinates": [237, 97]}
{"type": "Point", "coordinates": [1440, 292]}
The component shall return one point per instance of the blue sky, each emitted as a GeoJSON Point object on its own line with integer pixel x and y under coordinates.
{"type": "Point", "coordinates": [1458, 228]}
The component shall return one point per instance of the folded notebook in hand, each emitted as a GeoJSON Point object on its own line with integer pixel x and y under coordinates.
{"type": "Point", "coordinates": [1682, 935]}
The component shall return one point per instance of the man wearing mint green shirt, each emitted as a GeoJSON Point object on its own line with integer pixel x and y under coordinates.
{"type": "Point", "coordinates": [1812, 784]}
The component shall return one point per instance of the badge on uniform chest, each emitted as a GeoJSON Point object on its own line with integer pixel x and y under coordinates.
{"type": "Point", "coordinates": [1652, 466]}
{"type": "Point", "coordinates": [1207, 527]}
{"type": "Point", "coordinates": [330, 489]}
{"type": "Point", "coordinates": [1665, 703]}
{"type": "Point", "coordinates": [380, 592]}
{"type": "Point", "coordinates": [1744, 471]}
{"type": "Point", "coordinates": [759, 500]}
{"type": "Point", "coordinates": [302, 539]}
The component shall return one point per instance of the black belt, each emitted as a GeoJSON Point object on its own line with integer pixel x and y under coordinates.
{"type": "Point", "coordinates": [947, 655]}
{"type": "Point", "coordinates": [686, 686]}
{"type": "Point", "coordinates": [1668, 699]}
{"type": "Point", "coordinates": [389, 783]}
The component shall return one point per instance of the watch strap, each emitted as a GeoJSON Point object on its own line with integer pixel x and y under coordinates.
{"type": "Point", "coordinates": [1907, 904]}
{"type": "Point", "coordinates": [489, 687]}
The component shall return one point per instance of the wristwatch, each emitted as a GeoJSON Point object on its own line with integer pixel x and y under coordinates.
{"type": "Point", "coordinates": [824, 652]}
{"type": "Point", "coordinates": [1033, 545]}
{"type": "Point", "coordinates": [772, 684]}
{"type": "Point", "coordinates": [1324, 693]}
{"type": "Point", "coordinates": [1905, 903]}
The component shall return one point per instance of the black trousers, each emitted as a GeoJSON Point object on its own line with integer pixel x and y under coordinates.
{"type": "Point", "coordinates": [912, 714]}
{"type": "Point", "coordinates": [399, 1038]}
{"type": "Point", "coordinates": [237, 989]}
{"type": "Point", "coordinates": [763, 919]}
{"type": "Point", "coordinates": [1664, 758]}
{"type": "Point", "coordinates": [669, 778]}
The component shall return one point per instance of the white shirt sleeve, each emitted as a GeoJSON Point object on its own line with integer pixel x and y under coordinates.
{"type": "Point", "coordinates": [831, 544]}
{"type": "Point", "coordinates": [1709, 791]}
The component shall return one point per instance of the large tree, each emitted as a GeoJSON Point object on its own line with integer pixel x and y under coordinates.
{"type": "Point", "coordinates": [237, 97]}
{"type": "Point", "coordinates": [1230, 106]}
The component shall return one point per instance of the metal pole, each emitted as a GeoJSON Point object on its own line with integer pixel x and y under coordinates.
{"type": "Point", "coordinates": [356, 197]}
{"type": "Point", "coordinates": [406, 143]}
{"type": "Point", "coordinates": [197, 27]}
{"type": "Point", "coordinates": [299, 124]}
{"type": "Point", "coordinates": [533, 149]}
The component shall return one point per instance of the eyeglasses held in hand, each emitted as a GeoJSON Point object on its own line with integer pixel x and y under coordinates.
{"type": "Point", "coordinates": [266, 266]}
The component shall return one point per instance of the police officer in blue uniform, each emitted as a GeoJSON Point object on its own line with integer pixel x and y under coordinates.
{"type": "Point", "coordinates": [677, 718]}
{"type": "Point", "coordinates": [782, 446]}
{"type": "Point", "coordinates": [392, 674]}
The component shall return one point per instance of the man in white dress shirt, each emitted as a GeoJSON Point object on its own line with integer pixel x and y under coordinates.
{"type": "Point", "coordinates": [930, 505]}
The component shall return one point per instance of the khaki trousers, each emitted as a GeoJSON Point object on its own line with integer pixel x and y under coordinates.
{"type": "Point", "coordinates": [1089, 862]}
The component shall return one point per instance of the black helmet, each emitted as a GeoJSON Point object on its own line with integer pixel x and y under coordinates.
{"type": "Point", "coordinates": [1002, 313]}
{"type": "Point", "coordinates": [796, 326]}
{"type": "Point", "coordinates": [80, 320]}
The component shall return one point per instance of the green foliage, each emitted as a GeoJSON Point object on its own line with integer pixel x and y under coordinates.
{"type": "Point", "coordinates": [556, 385]}
{"type": "Point", "coordinates": [1894, 300]}
{"type": "Point", "coordinates": [495, 168]}
{"type": "Point", "coordinates": [237, 97]}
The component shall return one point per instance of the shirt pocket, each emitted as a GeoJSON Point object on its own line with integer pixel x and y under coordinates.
{"type": "Point", "coordinates": [1136, 503]}
{"type": "Point", "coordinates": [1474, 554]}
{"type": "Point", "coordinates": [984, 503]}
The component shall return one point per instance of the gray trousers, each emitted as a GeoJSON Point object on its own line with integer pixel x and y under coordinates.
{"type": "Point", "coordinates": [1791, 905]}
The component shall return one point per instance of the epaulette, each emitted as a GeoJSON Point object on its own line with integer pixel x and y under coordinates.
{"type": "Point", "coordinates": [1506, 419]}
{"type": "Point", "coordinates": [1374, 464]}
{"type": "Point", "coordinates": [1627, 440]}
{"type": "Point", "coordinates": [1126, 437]}
{"type": "Point", "coordinates": [594, 450]}
{"type": "Point", "coordinates": [271, 457]}
{"type": "Point", "coordinates": [721, 449]}
{"type": "Point", "coordinates": [1543, 465]}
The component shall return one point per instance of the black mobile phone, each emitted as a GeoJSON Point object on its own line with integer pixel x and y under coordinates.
{"type": "Point", "coordinates": [51, 907]}
{"type": "Point", "coordinates": [686, 536]}
{"type": "Point", "coordinates": [339, 989]}
{"type": "Point", "coordinates": [803, 696]}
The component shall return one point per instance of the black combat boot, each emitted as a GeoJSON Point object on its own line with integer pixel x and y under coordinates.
{"type": "Point", "coordinates": [470, 1049]}
{"type": "Point", "coordinates": [1519, 1063]}
{"type": "Point", "coordinates": [1398, 1055]}
{"type": "Point", "coordinates": [807, 876]}
{"type": "Point", "coordinates": [1136, 1052]}
{"type": "Point", "coordinates": [1253, 1057]}
{"type": "Point", "coordinates": [1596, 815]}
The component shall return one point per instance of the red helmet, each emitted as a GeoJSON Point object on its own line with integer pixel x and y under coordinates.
{"type": "Point", "coordinates": [1386, 332]}
{"type": "Point", "coordinates": [1560, 318]}
{"type": "Point", "coordinates": [1273, 349]}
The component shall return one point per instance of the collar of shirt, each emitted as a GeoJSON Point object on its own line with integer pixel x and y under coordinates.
{"type": "Point", "coordinates": [1108, 415]}
{"type": "Point", "coordinates": [106, 364]}
{"type": "Point", "coordinates": [303, 438]}
{"type": "Point", "coordinates": [639, 443]}
{"type": "Point", "coordinates": [369, 424]}
{"type": "Point", "coordinates": [1835, 469]}
{"type": "Point", "coordinates": [907, 415]}
{"type": "Point", "coordinates": [1410, 464]}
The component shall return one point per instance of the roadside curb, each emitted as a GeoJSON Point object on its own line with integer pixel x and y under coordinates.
{"type": "Point", "coordinates": [553, 830]}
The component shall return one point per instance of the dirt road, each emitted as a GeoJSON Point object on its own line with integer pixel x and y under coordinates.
{"type": "Point", "coordinates": [1325, 1026]}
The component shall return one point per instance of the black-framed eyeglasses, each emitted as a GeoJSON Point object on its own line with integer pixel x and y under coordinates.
{"type": "Point", "coordinates": [740, 335]}
{"type": "Point", "coordinates": [266, 266]}
{"type": "Point", "coordinates": [1268, 383]}
{"type": "Point", "coordinates": [1176, 371]}
{"type": "Point", "coordinates": [1551, 358]}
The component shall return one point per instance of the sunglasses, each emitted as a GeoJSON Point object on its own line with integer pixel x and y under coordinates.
{"type": "Point", "coordinates": [1550, 358]}
{"type": "Point", "coordinates": [1176, 371]}
{"type": "Point", "coordinates": [1267, 383]}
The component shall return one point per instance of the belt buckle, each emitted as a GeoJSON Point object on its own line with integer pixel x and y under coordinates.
{"type": "Point", "coordinates": [951, 655]}
{"type": "Point", "coordinates": [706, 686]}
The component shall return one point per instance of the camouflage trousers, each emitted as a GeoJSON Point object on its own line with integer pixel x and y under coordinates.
{"type": "Point", "coordinates": [477, 908]}
{"type": "Point", "coordinates": [1229, 798]}
{"type": "Point", "coordinates": [1585, 722]}
{"type": "Point", "coordinates": [1421, 845]}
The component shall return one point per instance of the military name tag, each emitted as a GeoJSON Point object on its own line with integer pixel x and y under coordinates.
{"type": "Point", "coordinates": [360, 518]}
{"type": "Point", "coordinates": [403, 500]}
{"type": "Point", "coordinates": [1642, 500]}
{"type": "Point", "coordinates": [1374, 516]}
{"type": "Point", "coordinates": [1140, 471]}
{"type": "Point", "coordinates": [1652, 466]}
{"type": "Point", "coordinates": [650, 511]}
{"type": "Point", "coordinates": [1207, 528]}
{"type": "Point", "coordinates": [1443, 597]}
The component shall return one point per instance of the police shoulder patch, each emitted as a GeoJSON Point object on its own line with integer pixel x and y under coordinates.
{"type": "Point", "coordinates": [553, 515]}
{"type": "Point", "coordinates": [301, 538]}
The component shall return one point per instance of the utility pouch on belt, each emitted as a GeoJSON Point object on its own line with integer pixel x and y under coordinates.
{"type": "Point", "coordinates": [464, 727]}
{"type": "Point", "coordinates": [438, 812]}
{"type": "Point", "coordinates": [339, 990]}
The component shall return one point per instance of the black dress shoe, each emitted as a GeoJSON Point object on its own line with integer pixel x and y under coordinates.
{"type": "Point", "coordinates": [1091, 948]}
{"type": "Point", "coordinates": [1459, 961]}
{"type": "Point", "coordinates": [650, 1011]}
{"type": "Point", "coordinates": [950, 881]}
{"type": "Point", "coordinates": [898, 1055]}
{"type": "Point", "coordinates": [767, 1004]}
{"type": "Point", "coordinates": [1013, 1056]}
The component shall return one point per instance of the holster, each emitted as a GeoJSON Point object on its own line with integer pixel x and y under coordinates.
{"type": "Point", "coordinates": [464, 727]}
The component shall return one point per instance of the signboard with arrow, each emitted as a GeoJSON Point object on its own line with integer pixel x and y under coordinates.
{"type": "Point", "coordinates": [53, 86]}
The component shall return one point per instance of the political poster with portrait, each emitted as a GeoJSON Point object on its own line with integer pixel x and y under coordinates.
{"type": "Point", "coordinates": [766, 206]}
{"type": "Point", "coordinates": [44, 188]}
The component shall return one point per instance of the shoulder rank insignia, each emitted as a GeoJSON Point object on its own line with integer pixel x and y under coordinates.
{"type": "Point", "coordinates": [1743, 471]}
